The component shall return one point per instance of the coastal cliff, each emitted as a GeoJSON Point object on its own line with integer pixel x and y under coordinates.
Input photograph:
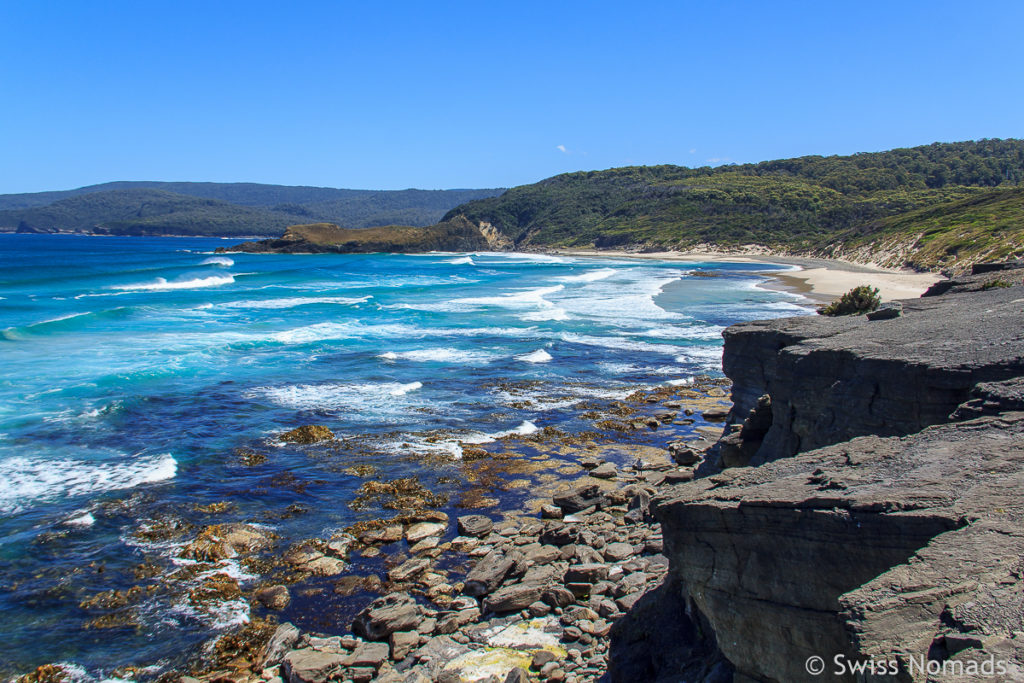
{"type": "Point", "coordinates": [882, 523]}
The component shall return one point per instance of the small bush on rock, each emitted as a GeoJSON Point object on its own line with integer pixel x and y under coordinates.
{"type": "Point", "coordinates": [858, 300]}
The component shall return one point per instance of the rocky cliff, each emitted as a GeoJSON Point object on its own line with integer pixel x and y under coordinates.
{"type": "Point", "coordinates": [881, 529]}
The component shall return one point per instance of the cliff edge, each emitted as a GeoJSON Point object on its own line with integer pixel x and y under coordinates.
{"type": "Point", "coordinates": [880, 529]}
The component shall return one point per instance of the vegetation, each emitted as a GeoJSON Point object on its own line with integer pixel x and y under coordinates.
{"type": "Point", "coordinates": [143, 208]}
{"type": "Point", "coordinates": [793, 205]}
{"type": "Point", "coordinates": [862, 299]}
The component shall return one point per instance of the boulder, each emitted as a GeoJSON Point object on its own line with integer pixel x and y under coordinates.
{"type": "Point", "coordinates": [513, 598]}
{"type": "Point", "coordinates": [605, 471]}
{"type": "Point", "coordinates": [476, 526]}
{"type": "Point", "coordinates": [579, 498]}
{"type": "Point", "coordinates": [491, 571]}
{"type": "Point", "coordinates": [274, 597]}
{"type": "Point", "coordinates": [385, 615]}
{"type": "Point", "coordinates": [402, 643]}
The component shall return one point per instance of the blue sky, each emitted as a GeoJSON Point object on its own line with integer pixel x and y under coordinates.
{"type": "Point", "coordinates": [445, 94]}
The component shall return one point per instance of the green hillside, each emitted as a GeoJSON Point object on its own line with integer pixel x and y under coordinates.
{"type": "Point", "coordinates": [796, 205]}
{"type": "Point", "coordinates": [221, 208]}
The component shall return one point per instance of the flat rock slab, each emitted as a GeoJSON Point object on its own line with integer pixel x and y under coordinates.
{"type": "Point", "coordinates": [385, 615]}
{"type": "Point", "coordinates": [310, 666]}
{"type": "Point", "coordinates": [418, 532]}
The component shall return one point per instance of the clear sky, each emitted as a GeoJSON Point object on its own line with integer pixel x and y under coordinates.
{"type": "Point", "coordinates": [390, 95]}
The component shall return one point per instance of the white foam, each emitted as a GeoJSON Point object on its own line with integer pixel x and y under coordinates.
{"type": "Point", "coordinates": [82, 520]}
{"type": "Point", "coordinates": [26, 479]}
{"type": "Point", "coordinates": [520, 299]}
{"type": "Point", "coordinates": [439, 355]}
{"type": "Point", "coordinates": [162, 285]}
{"type": "Point", "coordinates": [403, 389]}
{"type": "Point", "coordinates": [538, 258]}
{"type": "Point", "coordinates": [590, 276]}
{"type": "Point", "coordinates": [359, 401]}
{"type": "Point", "coordinates": [538, 356]}
{"type": "Point", "coordinates": [525, 428]}
{"type": "Point", "coordinates": [463, 261]}
{"type": "Point", "coordinates": [292, 302]}
{"type": "Point", "coordinates": [218, 261]}
{"type": "Point", "coordinates": [546, 314]}
{"type": "Point", "coordinates": [619, 343]}
{"type": "Point", "coordinates": [681, 382]}
{"type": "Point", "coordinates": [69, 316]}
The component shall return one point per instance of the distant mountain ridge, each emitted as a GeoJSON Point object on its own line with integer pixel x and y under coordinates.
{"type": "Point", "coordinates": [222, 209]}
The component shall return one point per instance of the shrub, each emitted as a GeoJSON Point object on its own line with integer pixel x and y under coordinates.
{"type": "Point", "coordinates": [995, 284]}
{"type": "Point", "coordinates": [858, 300]}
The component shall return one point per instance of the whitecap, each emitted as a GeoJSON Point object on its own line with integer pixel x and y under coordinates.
{"type": "Point", "coordinates": [292, 302]}
{"type": "Point", "coordinates": [619, 343]}
{"type": "Point", "coordinates": [218, 261]}
{"type": "Point", "coordinates": [25, 479]}
{"type": "Point", "coordinates": [463, 261]}
{"type": "Point", "coordinates": [589, 276]}
{"type": "Point", "coordinates": [162, 285]}
{"type": "Point", "coordinates": [538, 356]}
{"type": "Point", "coordinates": [545, 314]}
{"type": "Point", "coordinates": [81, 520]}
{"type": "Point", "coordinates": [440, 355]}
{"type": "Point", "coordinates": [518, 299]}
{"type": "Point", "coordinates": [363, 401]}
{"type": "Point", "coordinates": [681, 382]}
{"type": "Point", "coordinates": [403, 389]}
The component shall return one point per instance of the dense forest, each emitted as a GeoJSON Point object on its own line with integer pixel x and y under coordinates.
{"type": "Point", "coordinates": [798, 205]}
{"type": "Point", "coordinates": [139, 208]}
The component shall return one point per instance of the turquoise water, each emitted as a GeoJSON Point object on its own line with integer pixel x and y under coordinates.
{"type": "Point", "coordinates": [132, 368]}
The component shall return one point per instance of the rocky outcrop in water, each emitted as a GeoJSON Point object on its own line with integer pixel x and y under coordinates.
{"type": "Point", "coordinates": [882, 528]}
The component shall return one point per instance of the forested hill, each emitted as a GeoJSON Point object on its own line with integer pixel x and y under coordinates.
{"type": "Point", "coordinates": [800, 205]}
{"type": "Point", "coordinates": [136, 208]}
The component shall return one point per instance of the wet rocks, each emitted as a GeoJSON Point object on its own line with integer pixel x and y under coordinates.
{"type": "Point", "coordinates": [307, 434]}
{"type": "Point", "coordinates": [222, 541]}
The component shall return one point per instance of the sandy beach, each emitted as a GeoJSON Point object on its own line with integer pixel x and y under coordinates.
{"type": "Point", "coordinates": [820, 280]}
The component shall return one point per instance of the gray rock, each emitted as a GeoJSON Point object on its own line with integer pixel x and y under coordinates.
{"type": "Point", "coordinates": [369, 654]}
{"type": "Point", "coordinates": [476, 526]}
{"type": "Point", "coordinates": [274, 597]}
{"type": "Point", "coordinates": [409, 569]}
{"type": "Point", "coordinates": [550, 512]}
{"type": "Point", "coordinates": [310, 666]}
{"type": "Point", "coordinates": [586, 573]}
{"type": "Point", "coordinates": [284, 638]}
{"type": "Point", "coordinates": [385, 615]}
{"type": "Point", "coordinates": [605, 471]}
{"type": "Point", "coordinates": [616, 552]}
{"type": "Point", "coordinates": [491, 571]}
{"type": "Point", "coordinates": [402, 643]}
{"type": "Point", "coordinates": [513, 597]}
{"type": "Point", "coordinates": [579, 498]}
{"type": "Point", "coordinates": [517, 675]}
{"type": "Point", "coordinates": [558, 596]}
{"type": "Point", "coordinates": [683, 454]}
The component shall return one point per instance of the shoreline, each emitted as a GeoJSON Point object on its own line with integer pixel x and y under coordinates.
{"type": "Point", "coordinates": [818, 280]}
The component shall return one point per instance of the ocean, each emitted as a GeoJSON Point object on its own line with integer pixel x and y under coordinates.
{"type": "Point", "coordinates": [138, 375]}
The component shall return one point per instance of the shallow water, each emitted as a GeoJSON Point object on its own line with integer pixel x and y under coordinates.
{"type": "Point", "coordinates": [132, 370]}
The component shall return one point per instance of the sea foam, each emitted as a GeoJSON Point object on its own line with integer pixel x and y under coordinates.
{"type": "Point", "coordinates": [218, 261]}
{"type": "Point", "coordinates": [162, 285]}
{"type": "Point", "coordinates": [25, 480]}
